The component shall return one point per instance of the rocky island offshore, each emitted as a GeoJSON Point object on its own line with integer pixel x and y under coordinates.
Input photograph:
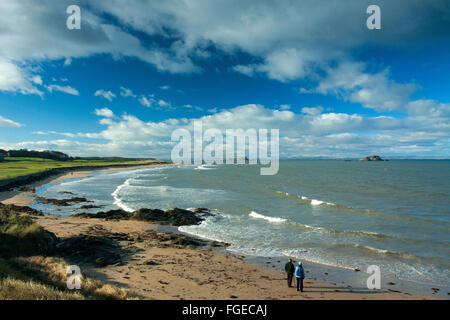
{"type": "Point", "coordinates": [372, 158]}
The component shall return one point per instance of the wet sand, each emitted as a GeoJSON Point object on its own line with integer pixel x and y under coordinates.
{"type": "Point", "coordinates": [159, 272]}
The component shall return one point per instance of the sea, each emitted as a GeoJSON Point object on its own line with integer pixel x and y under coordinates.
{"type": "Point", "coordinates": [343, 214]}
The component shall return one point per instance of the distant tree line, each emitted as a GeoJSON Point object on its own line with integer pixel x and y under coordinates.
{"type": "Point", "coordinates": [59, 156]}
{"type": "Point", "coordinates": [46, 154]}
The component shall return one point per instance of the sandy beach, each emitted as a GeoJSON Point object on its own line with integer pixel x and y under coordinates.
{"type": "Point", "coordinates": [23, 196]}
{"type": "Point", "coordinates": [156, 268]}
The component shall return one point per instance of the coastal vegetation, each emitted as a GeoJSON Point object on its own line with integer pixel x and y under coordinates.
{"type": "Point", "coordinates": [13, 167]}
{"type": "Point", "coordinates": [30, 270]}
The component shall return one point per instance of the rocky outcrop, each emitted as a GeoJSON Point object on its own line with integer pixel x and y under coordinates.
{"type": "Point", "coordinates": [61, 202]}
{"type": "Point", "coordinates": [371, 158]}
{"type": "Point", "coordinates": [175, 217]}
{"type": "Point", "coordinates": [118, 214]}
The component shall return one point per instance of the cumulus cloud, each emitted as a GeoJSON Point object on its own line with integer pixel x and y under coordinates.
{"type": "Point", "coordinates": [373, 91]}
{"type": "Point", "coordinates": [108, 95]}
{"type": "Point", "coordinates": [310, 133]}
{"type": "Point", "coordinates": [260, 27]}
{"type": "Point", "coordinates": [104, 112]}
{"type": "Point", "coordinates": [16, 79]}
{"type": "Point", "coordinates": [312, 111]}
{"type": "Point", "coordinates": [289, 40]}
{"type": "Point", "coordinates": [20, 44]}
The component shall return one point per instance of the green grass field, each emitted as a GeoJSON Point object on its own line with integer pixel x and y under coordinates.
{"type": "Point", "coordinates": [16, 167]}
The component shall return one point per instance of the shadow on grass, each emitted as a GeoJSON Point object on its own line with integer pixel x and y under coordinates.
{"type": "Point", "coordinates": [33, 263]}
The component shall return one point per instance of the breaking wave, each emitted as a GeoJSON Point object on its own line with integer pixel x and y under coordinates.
{"type": "Point", "coordinates": [256, 215]}
{"type": "Point", "coordinates": [313, 202]}
{"type": "Point", "coordinates": [117, 201]}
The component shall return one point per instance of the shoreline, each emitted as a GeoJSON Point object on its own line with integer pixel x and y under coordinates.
{"type": "Point", "coordinates": [268, 269]}
{"type": "Point", "coordinates": [22, 195]}
{"type": "Point", "coordinates": [347, 278]}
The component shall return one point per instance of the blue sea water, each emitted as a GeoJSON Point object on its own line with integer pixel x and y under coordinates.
{"type": "Point", "coordinates": [347, 214]}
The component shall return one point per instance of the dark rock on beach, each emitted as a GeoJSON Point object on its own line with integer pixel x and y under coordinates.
{"type": "Point", "coordinates": [61, 202]}
{"type": "Point", "coordinates": [118, 214]}
{"type": "Point", "coordinates": [90, 206]}
{"type": "Point", "coordinates": [144, 214]}
{"type": "Point", "coordinates": [175, 217]}
{"type": "Point", "coordinates": [181, 217]}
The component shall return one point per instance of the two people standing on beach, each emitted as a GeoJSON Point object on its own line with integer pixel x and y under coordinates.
{"type": "Point", "coordinates": [299, 273]}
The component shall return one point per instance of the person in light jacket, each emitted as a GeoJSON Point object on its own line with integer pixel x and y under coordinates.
{"type": "Point", "coordinates": [299, 275]}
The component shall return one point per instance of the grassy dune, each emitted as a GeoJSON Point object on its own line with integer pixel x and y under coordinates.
{"type": "Point", "coordinates": [16, 167]}
{"type": "Point", "coordinates": [29, 271]}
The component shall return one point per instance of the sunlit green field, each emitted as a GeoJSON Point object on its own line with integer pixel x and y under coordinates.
{"type": "Point", "coordinates": [15, 167]}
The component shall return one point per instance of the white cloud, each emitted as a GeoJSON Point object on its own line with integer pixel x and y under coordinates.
{"type": "Point", "coordinates": [428, 108]}
{"type": "Point", "coordinates": [314, 111]}
{"type": "Point", "coordinates": [16, 79]}
{"type": "Point", "coordinates": [8, 123]}
{"type": "Point", "coordinates": [42, 36]}
{"type": "Point", "coordinates": [147, 102]}
{"type": "Point", "coordinates": [67, 62]}
{"type": "Point", "coordinates": [310, 133]}
{"type": "Point", "coordinates": [104, 112]}
{"type": "Point", "coordinates": [285, 65]}
{"type": "Point", "coordinates": [289, 40]}
{"type": "Point", "coordinates": [248, 70]}
{"type": "Point", "coordinates": [65, 89]}
{"type": "Point", "coordinates": [67, 134]}
{"type": "Point", "coordinates": [108, 95]}
{"type": "Point", "coordinates": [373, 91]}
{"type": "Point", "coordinates": [125, 92]}
{"type": "Point", "coordinates": [37, 79]}
{"type": "Point", "coordinates": [163, 103]}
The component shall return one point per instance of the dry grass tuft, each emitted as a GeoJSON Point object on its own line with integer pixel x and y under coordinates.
{"type": "Point", "coordinates": [44, 278]}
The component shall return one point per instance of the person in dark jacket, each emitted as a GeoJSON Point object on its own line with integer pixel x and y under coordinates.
{"type": "Point", "coordinates": [299, 275]}
{"type": "Point", "coordinates": [289, 268]}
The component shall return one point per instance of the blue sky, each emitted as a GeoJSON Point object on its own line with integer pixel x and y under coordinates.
{"type": "Point", "coordinates": [137, 70]}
